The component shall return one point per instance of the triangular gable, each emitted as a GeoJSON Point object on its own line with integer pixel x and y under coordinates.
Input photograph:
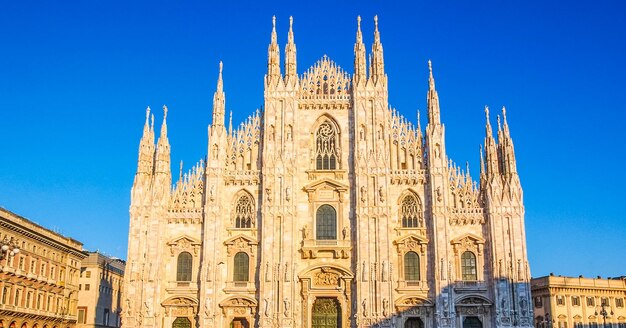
{"type": "Point", "coordinates": [418, 238]}
{"type": "Point", "coordinates": [232, 240]}
{"type": "Point", "coordinates": [327, 182]}
{"type": "Point", "coordinates": [184, 240]}
{"type": "Point", "coordinates": [460, 239]}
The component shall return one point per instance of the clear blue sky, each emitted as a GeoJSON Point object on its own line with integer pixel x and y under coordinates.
{"type": "Point", "coordinates": [75, 78]}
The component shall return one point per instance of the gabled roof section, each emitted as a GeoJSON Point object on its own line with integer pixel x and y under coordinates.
{"type": "Point", "coordinates": [325, 80]}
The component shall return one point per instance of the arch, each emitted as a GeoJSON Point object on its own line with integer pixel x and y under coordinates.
{"type": "Point", "coordinates": [326, 223]}
{"type": "Point", "coordinates": [410, 208]}
{"type": "Point", "coordinates": [244, 210]}
{"type": "Point", "coordinates": [327, 143]}
{"type": "Point", "coordinates": [411, 266]}
{"type": "Point", "coordinates": [241, 267]}
{"type": "Point", "coordinates": [184, 266]}
{"type": "Point", "coordinates": [468, 266]}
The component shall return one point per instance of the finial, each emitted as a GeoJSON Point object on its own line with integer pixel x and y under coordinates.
{"type": "Point", "coordinates": [164, 112]}
{"type": "Point", "coordinates": [290, 22]}
{"type": "Point", "coordinates": [430, 67]}
{"type": "Point", "coordinates": [274, 22]}
{"type": "Point", "coordinates": [504, 114]}
{"type": "Point", "coordinates": [431, 78]}
{"type": "Point", "coordinates": [152, 122]}
{"type": "Point", "coordinates": [230, 122]}
{"type": "Point", "coordinates": [376, 22]}
{"type": "Point", "coordinates": [221, 67]}
{"type": "Point", "coordinates": [358, 22]}
{"type": "Point", "coordinates": [180, 175]}
{"type": "Point", "coordinates": [499, 125]}
{"type": "Point", "coordinates": [147, 117]}
{"type": "Point", "coordinates": [487, 113]}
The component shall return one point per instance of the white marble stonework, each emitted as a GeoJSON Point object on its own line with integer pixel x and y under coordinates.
{"type": "Point", "coordinates": [345, 213]}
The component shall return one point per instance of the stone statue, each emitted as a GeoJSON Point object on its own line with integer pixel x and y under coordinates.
{"type": "Point", "coordinates": [287, 305]}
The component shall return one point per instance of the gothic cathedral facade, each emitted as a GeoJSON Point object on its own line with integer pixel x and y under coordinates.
{"type": "Point", "coordinates": [327, 208]}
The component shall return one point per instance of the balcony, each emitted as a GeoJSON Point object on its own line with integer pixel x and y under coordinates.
{"type": "Point", "coordinates": [470, 286]}
{"type": "Point", "coordinates": [182, 287]}
{"type": "Point", "coordinates": [337, 249]}
{"type": "Point", "coordinates": [412, 286]}
{"type": "Point", "coordinates": [240, 287]}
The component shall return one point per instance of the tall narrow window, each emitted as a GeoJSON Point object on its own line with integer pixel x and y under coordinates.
{"type": "Point", "coordinates": [326, 223]}
{"type": "Point", "coordinates": [468, 266]}
{"type": "Point", "coordinates": [244, 211]}
{"type": "Point", "coordinates": [326, 147]}
{"type": "Point", "coordinates": [241, 268]}
{"type": "Point", "coordinates": [183, 268]}
{"type": "Point", "coordinates": [411, 266]}
{"type": "Point", "coordinates": [410, 211]}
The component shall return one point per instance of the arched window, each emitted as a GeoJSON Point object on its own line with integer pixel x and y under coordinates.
{"type": "Point", "coordinates": [411, 266]}
{"type": "Point", "coordinates": [183, 268]}
{"type": "Point", "coordinates": [241, 267]}
{"type": "Point", "coordinates": [410, 212]}
{"type": "Point", "coordinates": [244, 212]}
{"type": "Point", "coordinates": [468, 266]}
{"type": "Point", "coordinates": [326, 223]}
{"type": "Point", "coordinates": [326, 147]}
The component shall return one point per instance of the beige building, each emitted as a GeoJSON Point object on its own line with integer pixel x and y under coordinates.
{"type": "Point", "coordinates": [327, 208]}
{"type": "Point", "coordinates": [567, 302]}
{"type": "Point", "coordinates": [39, 272]}
{"type": "Point", "coordinates": [100, 285]}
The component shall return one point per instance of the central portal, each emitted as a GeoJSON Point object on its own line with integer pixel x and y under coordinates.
{"type": "Point", "coordinates": [326, 313]}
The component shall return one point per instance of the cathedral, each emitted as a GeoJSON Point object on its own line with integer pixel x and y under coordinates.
{"type": "Point", "coordinates": [327, 208]}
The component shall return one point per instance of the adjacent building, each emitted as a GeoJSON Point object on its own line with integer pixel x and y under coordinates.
{"type": "Point", "coordinates": [327, 208]}
{"type": "Point", "coordinates": [568, 302]}
{"type": "Point", "coordinates": [39, 272]}
{"type": "Point", "coordinates": [100, 285]}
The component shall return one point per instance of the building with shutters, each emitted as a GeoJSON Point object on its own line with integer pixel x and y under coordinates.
{"type": "Point", "coordinates": [327, 208]}
{"type": "Point", "coordinates": [39, 271]}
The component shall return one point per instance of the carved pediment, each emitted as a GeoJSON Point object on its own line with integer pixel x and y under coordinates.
{"type": "Point", "coordinates": [179, 302]}
{"type": "Point", "coordinates": [411, 242]}
{"type": "Point", "coordinates": [473, 301]}
{"type": "Point", "coordinates": [238, 302]}
{"type": "Point", "coordinates": [184, 243]}
{"type": "Point", "coordinates": [412, 302]}
{"type": "Point", "coordinates": [240, 243]}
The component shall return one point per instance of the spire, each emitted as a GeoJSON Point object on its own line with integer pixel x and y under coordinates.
{"type": "Point", "coordinates": [432, 98]}
{"type": "Point", "coordinates": [508, 151]}
{"type": "Point", "coordinates": [219, 101]}
{"type": "Point", "coordinates": [482, 164]}
{"type": "Point", "coordinates": [230, 123]}
{"type": "Point", "coordinates": [359, 55]}
{"type": "Point", "coordinates": [162, 169]}
{"type": "Point", "coordinates": [145, 160]}
{"type": "Point", "coordinates": [290, 55]}
{"type": "Point", "coordinates": [378, 63]}
{"type": "Point", "coordinates": [273, 56]}
{"type": "Point", "coordinates": [491, 155]}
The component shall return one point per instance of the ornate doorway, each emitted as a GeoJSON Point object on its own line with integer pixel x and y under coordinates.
{"type": "Point", "coordinates": [326, 313]}
{"type": "Point", "coordinates": [239, 323]}
{"type": "Point", "coordinates": [181, 322]}
{"type": "Point", "coordinates": [414, 323]}
{"type": "Point", "coordinates": [472, 322]}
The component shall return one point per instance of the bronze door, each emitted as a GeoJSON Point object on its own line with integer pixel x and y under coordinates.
{"type": "Point", "coordinates": [413, 323]}
{"type": "Point", "coordinates": [472, 322]}
{"type": "Point", "coordinates": [326, 313]}
{"type": "Point", "coordinates": [181, 323]}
